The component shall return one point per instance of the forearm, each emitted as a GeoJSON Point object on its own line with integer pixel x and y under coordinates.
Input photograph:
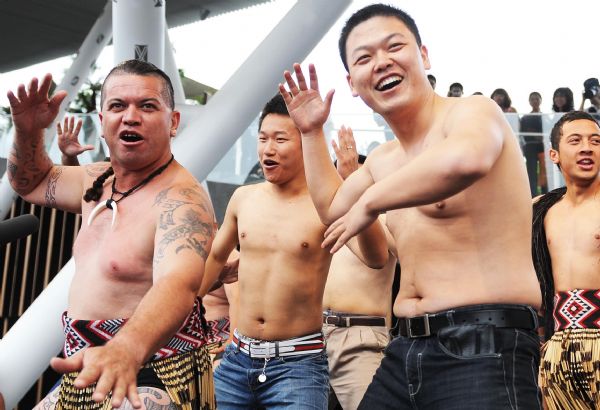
{"type": "Point", "coordinates": [214, 266]}
{"type": "Point", "coordinates": [373, 246]}
{"type": "Point", "coordinates": [321, 176]}
{"type": "Point", "coordinates": [159, 315]}
{"type": "Point", "coordinates": [28, 162]}
{"type": "Point", "coordinates": [429, 178]}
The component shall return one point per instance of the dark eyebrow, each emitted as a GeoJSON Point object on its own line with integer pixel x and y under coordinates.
{"type": "Point", "coordinates": [385, 40]}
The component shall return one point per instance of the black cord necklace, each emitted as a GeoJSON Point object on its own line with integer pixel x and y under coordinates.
{"type": "Point", "coordinates": [111, 203]}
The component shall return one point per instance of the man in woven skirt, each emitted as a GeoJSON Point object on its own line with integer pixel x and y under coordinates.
{"type": "Point", "coordinates": [134, 332]}
{"type": "Point", "coordinates": [566, 250]}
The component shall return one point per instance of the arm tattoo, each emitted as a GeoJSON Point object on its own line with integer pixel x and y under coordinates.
{"type": "Point", "coordinates": [193, 230]}
{"type": "Point", "coordinates": [51, 187]}
{"type": "Point", "coordinates": [190, 228]}
{"type": "Point", "coordinates": [171, 205]}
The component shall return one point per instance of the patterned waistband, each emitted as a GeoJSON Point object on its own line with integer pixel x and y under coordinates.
{"type": "Point", "coordinates": [261, 349]}
{"type": "Point", "coordinates": [577, 309]}
{"type": "Point", "coordinates": [218, 331]}
{"type": "Point", "coordinates": [80, 334]}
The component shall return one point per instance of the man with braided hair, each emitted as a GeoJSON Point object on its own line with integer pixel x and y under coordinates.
{"type": "Point", "coordinates": [566, 251]}
{"type": "Point", "coordinates": [133, 315]}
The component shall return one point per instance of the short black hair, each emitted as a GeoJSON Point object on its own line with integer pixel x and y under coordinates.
{"type": "Point", "coordinates": [453, 85]}
{"type": "Point", "coordinates": [275, 105]}
{"type": "Point", "coordinates": [142, 68]}
{"type": "Point", "coordinates": [431, 77]}
{"type": "Point", "coordinates": [531, 94]}
{"type": "Point", "coordinates": [556, 132]}
{"type": "Point", "coordinates": [367, 13]}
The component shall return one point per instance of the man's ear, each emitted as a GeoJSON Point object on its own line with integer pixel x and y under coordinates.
{"type": "Point", "coordinates": [175, 120]}
{"type": "Point", "coordinates": [425, 57]}
{"type": "Point", "coordinates": [349, 79]}
{"type": "Point", "coordinates": [554, 156]}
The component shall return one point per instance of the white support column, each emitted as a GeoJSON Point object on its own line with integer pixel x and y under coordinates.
{"type": "Point", "coordinates": [34, 339]}
{"type": "Point", "coordinates": [90, 49]}
{"type": "Point", "coordinates": [209, 135]}
{"type": "Point", "coordinates": [139, 31]}
{"type": "Point", "coordinates": [172, 71]}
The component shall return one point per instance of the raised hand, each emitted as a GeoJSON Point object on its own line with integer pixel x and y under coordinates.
{"type": "Point", "coordinates": [68, 141]}
{"type": "Point", "coordinates": [112, 367]}
{"type": "Point", "coordinates": [345, 153]}
{"type": "Point", "coordinates": [305, 105]}
{"type": "Point", "coordinates": [31, 109]}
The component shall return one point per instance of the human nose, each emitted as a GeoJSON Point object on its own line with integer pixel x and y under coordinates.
{"type": "Point", "coordinates": [131, 116]}
{"type": "Point", "coordinates": [269, 147]}
{"type": "Point", "coordinates": [382, 61]}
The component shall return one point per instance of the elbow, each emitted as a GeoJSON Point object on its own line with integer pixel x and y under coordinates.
{"type": "Point", "coordinates": [378, 260]}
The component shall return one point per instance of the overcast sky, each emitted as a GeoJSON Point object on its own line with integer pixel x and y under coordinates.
{"type": "Point", "coordinates": [517, 45]}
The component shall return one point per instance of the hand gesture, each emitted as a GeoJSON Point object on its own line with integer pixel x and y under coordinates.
{"type": "Point", "coordinates": [112, 366]}
{"type": "Point", "coordinates": [68, 141]}
{"type": "Point", "coordinates": [31, 109]}
{"type": "Point", "coordinates": [305, 105]}
{"type": "Point", "coordinates": [353, 222]}
{"type": "Point", "coordinates": [345, 153]}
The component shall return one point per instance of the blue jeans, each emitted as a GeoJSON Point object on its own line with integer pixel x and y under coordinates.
{"type": "Point", "coordinates": [293, 382]}
{"type": "Point", "coordinates": [468, 367]}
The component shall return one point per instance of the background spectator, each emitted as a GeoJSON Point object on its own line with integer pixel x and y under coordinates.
{"type": "Point", "coordinates": [562, 100]}
{"type": "Point", "coordinates": [533, 146]}
{"type": "Point", "coordinates": [503, 100]}
{"type": "Point", "coordinates": [432, 80]}
{"type": "Point", "coordinates": [455, 90]}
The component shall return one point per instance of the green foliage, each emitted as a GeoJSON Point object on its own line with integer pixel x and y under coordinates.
{"type": "Point", "coordinates": [85, 102]}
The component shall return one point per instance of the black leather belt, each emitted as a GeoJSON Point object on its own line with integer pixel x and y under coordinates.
{"type": "Point", "coordinates": [347, 321]}
{"type": "Point", "coordinates": [430, 324]}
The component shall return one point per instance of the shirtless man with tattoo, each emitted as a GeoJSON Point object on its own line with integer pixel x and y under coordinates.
{"type": "Point", "coordinates": [139, 256]}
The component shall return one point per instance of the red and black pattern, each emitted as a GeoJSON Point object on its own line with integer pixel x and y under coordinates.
{"type": "Point", "coordinates": [80, 334]}
{"type": "Point", "coordinates": [218, 331]}
{"type": "Point", "coordinates": [577, 309]}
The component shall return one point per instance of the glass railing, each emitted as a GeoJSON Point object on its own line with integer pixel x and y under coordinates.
{"type": "Point", "coordinates": [240, 163]}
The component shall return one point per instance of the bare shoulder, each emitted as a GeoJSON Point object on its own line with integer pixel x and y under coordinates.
{"type": "Point", "coordinates": [96, 169]}
{"type": "Point", "coordinates": [474, 115]}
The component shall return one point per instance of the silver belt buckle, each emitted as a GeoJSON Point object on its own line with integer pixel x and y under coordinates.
{"type": "Point", "coordinates": [425, 319]}
{"type": "Point", "coordinates": [263, 350]}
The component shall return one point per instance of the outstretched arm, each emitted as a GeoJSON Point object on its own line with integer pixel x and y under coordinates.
{"type": "Point", "coordinates": [222, 247]}
{"type": "Point", "coordinates": [181, 245]}
{"type": "Point", "coordinates": [30, 171]}
{"type": "Point", "coordinates": [331, 196]}
{"type": "Point", "coordinates": [370, 246]}
{"type": "Point", "coordinates": [472, 144]}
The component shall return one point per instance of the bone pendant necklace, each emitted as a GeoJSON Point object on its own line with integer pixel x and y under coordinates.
{"type": "Point", "coordinates": [111, 203]}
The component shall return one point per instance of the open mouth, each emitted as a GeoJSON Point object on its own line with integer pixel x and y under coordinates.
{"type": "Point", "coordinates": [586, 162]}
{"type": "Point", "coordinates": [130, 137]}
{"type": "Point", "coordinates": [269, 163]}
{"type": "Point", "coordinates": [388, 83]}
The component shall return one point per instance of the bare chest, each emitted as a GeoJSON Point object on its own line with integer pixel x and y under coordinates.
{"type": "Point", "coordinates": [122, 249]}
{"type": "Point", "coordinates": [573, 232]}
{"type": "Point", "coordinates": [292, 228]}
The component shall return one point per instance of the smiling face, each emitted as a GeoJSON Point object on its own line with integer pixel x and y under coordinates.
{"type": "Point", "coordinates": [386, 66]}
{"type": "Point", "coordinates": [578, 153]}
{"type": "Point", "coordinates": [137, 121]}
{"type": "Point", "coordinates": [280, 149]}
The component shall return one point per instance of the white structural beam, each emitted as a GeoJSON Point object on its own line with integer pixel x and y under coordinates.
{"type": "Point", "coordinates": [139, 31]}
{"type": "Point", "coordinates": [172, 71]}
{"type": "Point", "coordinates": [206, 139]}
{"type": "Point", "coordinates": [34, 339]}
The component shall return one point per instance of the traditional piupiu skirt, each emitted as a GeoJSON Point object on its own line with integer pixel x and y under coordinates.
{"type": "Point", "coordinates": [182, 365]}
{"type": "Point", "coordinates": [570, 365]}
